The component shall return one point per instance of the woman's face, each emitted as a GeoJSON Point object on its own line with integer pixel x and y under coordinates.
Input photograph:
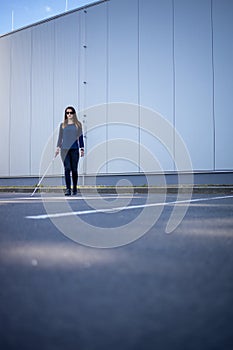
{"type": "Point", "coordinates": [69, 114]}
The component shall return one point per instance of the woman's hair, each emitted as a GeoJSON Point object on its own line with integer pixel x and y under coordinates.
{"type": "Point", "coordinates": [75, 118]}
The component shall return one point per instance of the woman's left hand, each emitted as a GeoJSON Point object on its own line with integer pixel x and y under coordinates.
{"type": "Point", "coordinates": [81, 152]}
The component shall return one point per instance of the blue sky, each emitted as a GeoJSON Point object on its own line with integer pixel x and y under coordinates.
{"type": "Point", "coordinates": [26, 12]}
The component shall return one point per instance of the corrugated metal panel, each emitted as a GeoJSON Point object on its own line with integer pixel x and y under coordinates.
{"type": "Point", "coordinates": [66, 61]}
{"type": "Point", "coordinates": [123, 83]}
{"type": "Point", "coordinates": [223, 78]}
{"type": "Point", "coordinates": [156, 76]}
{"type": "Point", "coordinates": [5, 101]}
{"type": "Point", "coordinates": [21, 103]}
{"type": "Point", "coordinates": [194, 79]}
{"type": "Point", "coordinates": [123, 143]}
{"type": "Point", "coordinates": [123, 51]}
{"type": "Point", "coordinates": [94, 50]}
{"type": "Point", "coordinates": [42, 91]}
{"type": "Point", "coordinates": [96, 54]}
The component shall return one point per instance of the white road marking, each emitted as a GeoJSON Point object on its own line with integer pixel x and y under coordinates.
{"type": "Point", "coordinates": [130, 207]}
{"type": "Point", "coordinates": [56, 199]}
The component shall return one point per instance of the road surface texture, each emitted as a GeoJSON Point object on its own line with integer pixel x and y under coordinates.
{"type": "Point", "coordinates": [162, 291]}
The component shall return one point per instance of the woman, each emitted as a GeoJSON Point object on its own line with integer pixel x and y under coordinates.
{"type": "Point", "coordinates": [70, 140]}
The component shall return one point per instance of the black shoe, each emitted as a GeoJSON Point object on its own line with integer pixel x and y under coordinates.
{"type": "Point", "coordinates": [74, 192]}
{"type": "Point", "coordinates": [67, 192]}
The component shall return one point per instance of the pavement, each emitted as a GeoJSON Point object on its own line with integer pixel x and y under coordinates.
{"type": "Point", "coordinates": [162, 291]}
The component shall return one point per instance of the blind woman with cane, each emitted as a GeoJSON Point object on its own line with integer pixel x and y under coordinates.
{"type": "Point", "coordinates": [70, 145]}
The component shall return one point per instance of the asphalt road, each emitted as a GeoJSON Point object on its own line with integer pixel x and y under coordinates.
{"type": "Point", "coordinates": [162, 291]}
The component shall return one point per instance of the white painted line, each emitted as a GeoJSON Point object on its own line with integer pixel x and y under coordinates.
{"type": "Point", "coordinates": [56, 199]}
{"type": "Point", "coordinates": [130, 207]}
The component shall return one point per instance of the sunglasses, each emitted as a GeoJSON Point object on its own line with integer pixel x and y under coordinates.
{"type": "Point", "coordinates": [69, 113]}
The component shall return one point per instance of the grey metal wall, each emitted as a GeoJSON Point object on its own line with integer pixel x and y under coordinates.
{"type": "Point", "coordinates": [173, 56]}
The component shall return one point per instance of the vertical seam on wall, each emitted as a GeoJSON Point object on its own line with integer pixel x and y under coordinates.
{"type": "Point", "coordinates": [139, 90]}
{"type": "Point", "coordinates": [85, 61]}
{"type": "Point", "coordinates": [107, 81]}
{"type": "Point", "coordinates": [174, 86]}
{"type": "Point", "coordinates": [213, 86]}
{"type": "Point", "coordinates": [54, 59]}
{"type": "Point", "coordinates": [79, 58]}
{"type": "Point", "coordinates": [30, 108]}
{"type": "Point", "coordinates": [84, 43]}
{"type": "Point", "coordinates": [10, 109]}
{"type": "Point", "coordinates": [79, 89]}
{"type": "Point", "coordinates": [53, 93]}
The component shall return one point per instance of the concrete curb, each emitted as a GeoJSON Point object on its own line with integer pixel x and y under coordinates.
{"type": "Point", "coordinates": [206, 189]}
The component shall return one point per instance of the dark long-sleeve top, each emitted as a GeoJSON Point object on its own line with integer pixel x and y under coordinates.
{"type": "Point", "coordinates": [71, 137]}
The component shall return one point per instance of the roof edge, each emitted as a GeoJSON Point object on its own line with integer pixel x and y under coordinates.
{"type": "Point", "coordinates": [53, 17]}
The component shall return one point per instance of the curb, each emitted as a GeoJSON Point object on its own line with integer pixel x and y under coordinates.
{"type": "Point", "coordinates": [205, 189]}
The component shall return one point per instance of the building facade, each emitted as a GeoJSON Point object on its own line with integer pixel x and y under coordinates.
{"type": "Point", "coordinates": [114, 60]}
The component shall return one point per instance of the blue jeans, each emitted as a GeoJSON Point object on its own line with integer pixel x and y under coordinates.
{"type": "Point", "coordinates": [70, 158]}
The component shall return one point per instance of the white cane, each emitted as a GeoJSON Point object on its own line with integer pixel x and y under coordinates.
{"type": "Point", "coordinates": [42, 177]}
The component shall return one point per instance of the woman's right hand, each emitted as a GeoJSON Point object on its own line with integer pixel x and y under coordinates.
{"type": "Point", "coordinates": [57, 151]}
